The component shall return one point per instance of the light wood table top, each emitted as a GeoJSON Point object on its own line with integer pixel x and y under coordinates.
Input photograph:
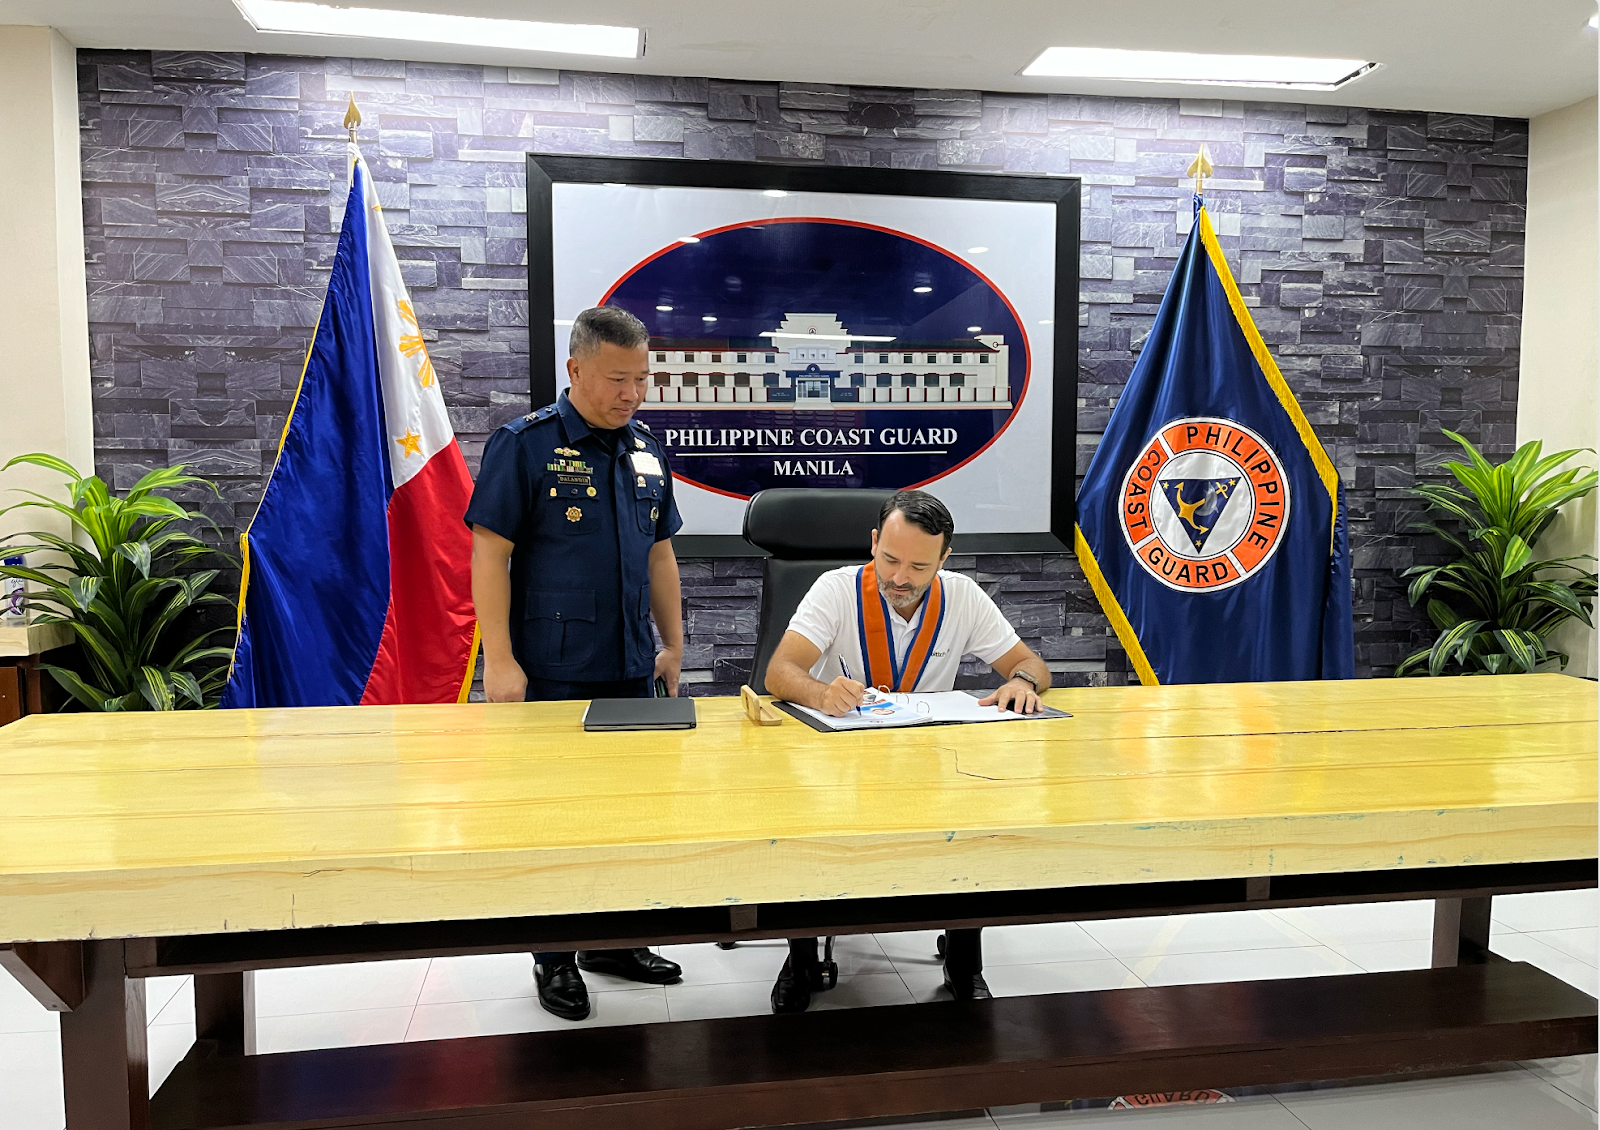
{"type": "Point", "coordinates": [142, 824]}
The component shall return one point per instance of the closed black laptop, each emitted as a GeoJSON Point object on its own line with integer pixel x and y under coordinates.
{"type": "Point", "coordinates": [640, 714]}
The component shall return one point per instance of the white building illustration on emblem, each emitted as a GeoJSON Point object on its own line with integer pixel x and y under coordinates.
{"type": "Point", "coordinates": [811, 362]}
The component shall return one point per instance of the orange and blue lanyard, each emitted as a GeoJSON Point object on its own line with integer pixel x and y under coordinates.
{"type": "Point", "coordinates": [885, 669]}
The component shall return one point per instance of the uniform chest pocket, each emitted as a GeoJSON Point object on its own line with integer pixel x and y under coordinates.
{"type": "Point", "coordinates": [571, 505]}
{"type": "Point", "coordinates": [647, 494]}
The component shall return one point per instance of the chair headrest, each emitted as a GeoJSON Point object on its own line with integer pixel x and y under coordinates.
{"type": "Point", "coordinates": [809, 523]}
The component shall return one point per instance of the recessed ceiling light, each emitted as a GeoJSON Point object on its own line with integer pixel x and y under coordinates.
{"type": "Point", "coordinates": [664, 309]}
{"type": "Point", "coordinates": [976, 250]}
{"type": "Point", "coordinates": [613, 184]}
{"type": "Point", "coordinates": [1046, 322]}
{"type": "Point", "coordinates": [823, 337]}
{"type": "Point", "coordinates": [564, 321]}
{"type": "Point", "coordinates": [1206, 70]}
{"type": "Point", "coordinates": [973, 329]}
{"type": "Point", "coordinates": [774, 193]}
{"type": "Point", "coordinates": [688, 239]}
{"type": "Point", "coordinates": [294, 16]}
{"type": "Point", "coordinates": [922, 290]}
{"type": "Point", "coordinates": [708, 317]}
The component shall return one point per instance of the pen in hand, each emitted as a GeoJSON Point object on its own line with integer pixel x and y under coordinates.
{"type": "Point", "coordinates": [845, 671]}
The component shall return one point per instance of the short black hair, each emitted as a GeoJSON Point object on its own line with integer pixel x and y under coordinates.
{"type": "Point", "coordinates": [605, 324]}
{"type": "Point", "coordinates": [923, 511]}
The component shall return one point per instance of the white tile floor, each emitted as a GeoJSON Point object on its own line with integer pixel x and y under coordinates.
{"type": "Point", "coordinates": [445, 997]}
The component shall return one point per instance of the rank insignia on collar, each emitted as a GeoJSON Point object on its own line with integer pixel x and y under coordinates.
{"type": "Point", "coordinates": [637, 442]}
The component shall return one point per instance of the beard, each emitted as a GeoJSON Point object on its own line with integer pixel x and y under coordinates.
{"type": "Point", "coordinates": [903, 598]}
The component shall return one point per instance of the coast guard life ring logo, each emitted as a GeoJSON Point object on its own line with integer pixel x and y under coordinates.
{"type": "Point", "coordinates": [1205, 505]}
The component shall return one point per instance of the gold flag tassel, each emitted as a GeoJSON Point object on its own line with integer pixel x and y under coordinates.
{"type": "Point", "coordinates": [1200, 168]}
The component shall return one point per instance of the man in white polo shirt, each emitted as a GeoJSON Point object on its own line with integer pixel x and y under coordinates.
{"type": "Point", "coordinates": [897, 623]}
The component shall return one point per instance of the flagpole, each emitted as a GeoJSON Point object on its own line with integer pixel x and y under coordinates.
{"type": "Point", "coordinates": [352, 119]}
{"type": "Point", "coordinates": [1200, 168]}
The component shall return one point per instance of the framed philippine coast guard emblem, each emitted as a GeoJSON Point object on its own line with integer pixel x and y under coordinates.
{"type": "Point", "coordinates": [828, 327]}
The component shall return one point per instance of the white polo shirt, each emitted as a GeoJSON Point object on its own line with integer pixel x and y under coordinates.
{"type": "Point", "coordinates": [972, 626]}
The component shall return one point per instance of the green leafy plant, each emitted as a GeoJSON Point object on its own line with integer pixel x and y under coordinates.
{"type": "Point", "coordinates": [1497, 603]}
{"type": "Point", "coordinates": [124, 594]}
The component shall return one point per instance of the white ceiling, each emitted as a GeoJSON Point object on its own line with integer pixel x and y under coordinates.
{"type": "Point", "coordinates": [1515, 58]}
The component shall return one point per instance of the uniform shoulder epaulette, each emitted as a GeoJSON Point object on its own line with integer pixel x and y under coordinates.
{"type": "Point", "coordinates": [521, 423]}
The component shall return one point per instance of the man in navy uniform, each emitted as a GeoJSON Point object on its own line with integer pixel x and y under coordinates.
{"type": "Point", "coordinates": [572, 519]}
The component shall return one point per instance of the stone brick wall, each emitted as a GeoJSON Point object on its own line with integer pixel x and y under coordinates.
{"type": "Point", "coordinates": [1382, 252]}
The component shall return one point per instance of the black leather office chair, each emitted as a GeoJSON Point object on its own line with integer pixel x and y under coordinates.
{"type": "Point", "coordinates": [808, 530]}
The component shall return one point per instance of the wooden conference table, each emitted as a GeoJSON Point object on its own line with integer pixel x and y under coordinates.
{"type": "Point", "coordinates": [223, 842]}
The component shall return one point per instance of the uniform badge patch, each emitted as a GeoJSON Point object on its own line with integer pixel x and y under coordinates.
{"type": "Point", "coordinates": [573, 513]}
{"type": "Point", "coordinates": [1205, 505]}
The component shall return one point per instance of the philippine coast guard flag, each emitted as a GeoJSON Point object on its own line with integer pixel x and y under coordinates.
{"type": "Point", "coordinates": [357, 568]}
{"type": "Point", "coordinates": [1210, 523]}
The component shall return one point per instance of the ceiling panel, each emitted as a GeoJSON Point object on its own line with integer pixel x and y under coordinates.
{"type": "Point", "coordinates": [1508, 57]}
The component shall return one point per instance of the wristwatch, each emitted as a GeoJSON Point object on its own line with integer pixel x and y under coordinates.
{"type": "Point", "coordinates": [1032, 682]}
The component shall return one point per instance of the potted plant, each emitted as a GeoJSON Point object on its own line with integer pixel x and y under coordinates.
{"type": "Point", "coordinates": [124, 595]}
{"type": "Point", "coordinates": [1497, 603]}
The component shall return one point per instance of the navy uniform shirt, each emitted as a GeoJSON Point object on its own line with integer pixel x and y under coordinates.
{"type": "Point", "coordinates": [583, 509]}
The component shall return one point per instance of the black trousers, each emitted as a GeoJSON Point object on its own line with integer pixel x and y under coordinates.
{"type": "Point", "coordinates": [554, 690]}
{"type": "Point", "coordinates": [963, 951]}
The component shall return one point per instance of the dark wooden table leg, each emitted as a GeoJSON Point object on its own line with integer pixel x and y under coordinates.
{"type": "Point", "coordinates": [1461, 931]}
{"type": "Point", "coordinates": [225, 1012]}
{"type": "Point", "coordinates": [104, 1064]}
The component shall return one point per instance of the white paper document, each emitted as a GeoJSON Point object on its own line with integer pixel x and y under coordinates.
{"type": "Point", "coordinates": [880, 711]}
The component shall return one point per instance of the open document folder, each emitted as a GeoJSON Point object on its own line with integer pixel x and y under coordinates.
{"type": "Point", "coordinates": [879, 711]}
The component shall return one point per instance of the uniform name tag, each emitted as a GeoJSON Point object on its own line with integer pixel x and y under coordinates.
{"type": "Point", "coordinates": [645, 463]}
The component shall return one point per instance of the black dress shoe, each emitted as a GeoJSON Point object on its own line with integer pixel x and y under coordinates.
{"type": "Point", "coordinates": [562, 991]}
{"type": "Point", "coordinates": [966, 986]}
{"type": "Point", "coordinates": [636, 965]}
{"type": "Point", "coordinates": [792, 991]}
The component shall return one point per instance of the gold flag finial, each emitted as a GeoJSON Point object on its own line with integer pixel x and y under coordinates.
{"type": "Point", "coordinates": [1200, 168]}
{"type": "Point", "coordinates": [352, 118]}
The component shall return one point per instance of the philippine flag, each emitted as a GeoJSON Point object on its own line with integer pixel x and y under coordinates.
{"type": "Point", "coordinates": [357, 567]}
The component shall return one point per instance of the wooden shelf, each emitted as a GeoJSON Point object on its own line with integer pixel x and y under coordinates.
{"type": "Point", "coordinates": [32, 639]}
{"type": "Point", "coordinates": [899, 1060]}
